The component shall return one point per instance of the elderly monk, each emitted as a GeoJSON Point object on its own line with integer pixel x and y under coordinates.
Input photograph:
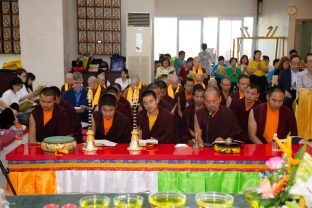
{"type": "Point", "coordinates": [48, 118]}
{"type": "Point", "coordinates": [134, 88]}
{"type": "Point", "coordinates": [77, 96]}
{"type": "Point", "coordinates": [97, 90]}
{"type": "Point", "coordinates": [122, 106]}
{"type": "Point", "coordinates": [68, 82]}
{"type": "Point", "coordinates": [213, 83]}
{"type": "Point", "coordinates": [187, 121]}
{"type": "Point", "coordinates": [173, 86]}
{"type": "Point", "coordinates": [107, 123]}
{"type": "Point", "coordinates": [74, 117]}
{"type": "Point", "coordinates": [242, 107]}
{"type": "Point", "coordinates": [272, 117]}
{"type": "Point", "coordinates": [215, 121]}
{"type": "Point", "coordinates": [242, 83]}
{"type": "Point", "coordinates": [156, 122]}
{"type": "Point", "coordinates": [225, 90]}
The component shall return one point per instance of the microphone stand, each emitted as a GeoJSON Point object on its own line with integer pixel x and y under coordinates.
{"type": "Point", "coordinates": [5, 173]}
{"type": "Point", "coordinates": [207, 144]}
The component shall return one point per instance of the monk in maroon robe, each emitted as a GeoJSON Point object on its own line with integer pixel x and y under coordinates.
{"type": "Point", "coordinates": [74, 117]}
{"type": "Point", "coordinates": [164, 95]}
{"type": "Point", "coordinates": [272, 117]}
{"type": "Point", "coordinates": [107, 123]}
{"type": "Point", "coordinates": [123, 106]}
{"type": "Point", "coordinates": [242, 83]}
{"type": "Point", "coordinates": [183, 97]}
{"type": "Point", "coordinates": [156, 122]}
{"type": "Point", "coordinates": [48, 119]}
{"type": "Point", "coordinates": [225, 90]}
{"type": "Point", "coordinates": [187, 121]}
{"type": "Point", "coordinates": [242, 107]}
{"type": "Point", "coordinates": [215, 121]}
{"type": "Point", "coordinates": [161, 102]}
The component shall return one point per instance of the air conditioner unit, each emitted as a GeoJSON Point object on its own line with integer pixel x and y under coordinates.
{"type": "Point", "coordinates": [139, 40]}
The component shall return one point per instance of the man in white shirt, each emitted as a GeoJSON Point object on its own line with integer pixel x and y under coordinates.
{"type": "Point", "coordinates": [304, 79]}
{"type": "Point", "coordinates": [11, 95]}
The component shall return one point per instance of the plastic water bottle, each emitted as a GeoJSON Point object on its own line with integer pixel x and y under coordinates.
{"type": "Point", "coordinates": [274, 144]}
{"type": "Point", "coordinates": [19, 131]}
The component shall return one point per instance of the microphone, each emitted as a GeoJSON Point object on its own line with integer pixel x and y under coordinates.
{"type": "Point", "coordinates": [210, 111]}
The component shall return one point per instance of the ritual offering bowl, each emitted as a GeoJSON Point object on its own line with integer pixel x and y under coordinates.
{"type": "Point", "coordinates": [128, 201]}
{"type": "Point", "coordinates": [214, 200]}
{"type": "Point", "coordinates": [227, 146]}
{"type": "Point", "coordinates": [58, 143]}
{"type": "Point", "coordinates": [167, 200]}
{"type": "Point", "coordinates": [94, 201]}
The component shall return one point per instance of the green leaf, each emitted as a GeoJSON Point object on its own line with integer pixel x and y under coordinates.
{"type": "Point", "coordinates": [294, 168]}
{"type": "Point", "coordinates": [267, 202]}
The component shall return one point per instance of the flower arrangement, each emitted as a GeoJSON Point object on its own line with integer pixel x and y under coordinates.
{"type": "Point", "coordinates": [288, 184]}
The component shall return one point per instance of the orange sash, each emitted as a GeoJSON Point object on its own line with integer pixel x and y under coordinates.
{"type": "Point", "coordinates": [271, 124]}
{"type": "Point", "coordinates": [107, 123]}
{"type": "Point", "coordinates": [188, 96]}
{"type": "Point", "coordinates": [47, 115]}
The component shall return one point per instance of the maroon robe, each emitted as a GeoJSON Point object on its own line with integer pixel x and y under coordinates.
{"type": "Point", "coordinates": [223, 124]}
{"type": "Point", "coordinates": [74, 121]}
{"type": "Point", "coordinates": [164, 129]}
{"type": "Point", "coordinates": [124, 107]}
{"type": "Point", "coordinates": [286, 121]}
{"type": "Point", "coordinates": [235, 95]}
{"type": "Point", "coordinates": [239, 109]}
{"type": "Point", "coordinates": [59, 125]}
{"type": "Point", "coordinates": [120, 132]}
{"type": "Point", "coordinates": [169, 100]}
{"type": "Point", "coordinates": [223, 100]}
{"type": "Point", "coordinates": [187, 123]}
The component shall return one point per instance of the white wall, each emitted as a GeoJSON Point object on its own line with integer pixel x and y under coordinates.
{"type": "Point", "coordinates": [274, 13]}
{"type": "Point", "coordinates": [168, 8]}
{"type": "Point", "coordinates": [42, 42]}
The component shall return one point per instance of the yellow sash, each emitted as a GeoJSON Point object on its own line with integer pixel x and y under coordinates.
{"type": "Point", "coordinates": [66, 86]}
{"type": "Point", "coordinates": [170, 90]}
{"type": "Point", "coordinates": [130, 94]}
{"type": "Point", "coordinates": [151, 120]}
{"type": "Point", "coordinates": [199, 70]}
{"type": "Point", "coordinates": [96, 97]}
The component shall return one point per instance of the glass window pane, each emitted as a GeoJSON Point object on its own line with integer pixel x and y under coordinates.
{"type": "Point", "coordinates": [247, 44]}
{"type": "Point", "coordinates": [229, 30]}
{"type": "Point", "coordinates": [190, 37]}
{"type": "Point", "coordinates": [211, 35]}
{"type": "Point", "coordinates": [165, 36]}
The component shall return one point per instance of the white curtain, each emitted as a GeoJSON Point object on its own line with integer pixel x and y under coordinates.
{"type": "Point", "coordinates": [86, 181]}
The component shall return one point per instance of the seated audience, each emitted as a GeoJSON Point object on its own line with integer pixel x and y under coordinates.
{"type": "Point", "coordinates": [75, 123]}
{"type": "Point", "coordinates": [257, 70]}
{"type": "Point", "coordinates": [101, 75]}
{"type": "Point", "coordinates": [29, 82]}
{"type": "Point", "coordinates": [173, 86]}
{"type": "Point", "coordinates": [48, 118]}
{"type": "Point", "coordinates": [233, 72]}
{"type": "Point", "coordinates": [156, 122]}
{"type": "Point", "coordinates": [187, 121]}
{"type": "Point", "coordinates": [97, 90]}
{"type": "Point", "coordinates": [185, 69]}
{"type": "Point", "coordinates": [304, 79]}
{"type": "Point", "coordinates": [68, 82]}
{"type": "Point", "coordinates": [164, 94]}
{"type": "Point", "coordinates": [205, 57]}
{"type": "Point", "coordinates": [288, 80]}
{"type": "Point", "coordinates": [160, 101]}
{"type": "Point", "coordinates": [243, 63]}
{"type": "Point", "coordinates": [23, 93]}
{"type": "Point", "coordinates": [107, 123]}
{"type": "Point", "coordinates": [164, 69]}
{"type": "Point", "coordinates": [197, 67]}
{"type": "Point", "coordinates": [77, 96]}
{"type": "Point", "coordinates": [272, 117]}
{"type": "Point", "coordinates": [218, 70]}
{"type": "Point", "coordinates": [124, 80]}
{"type": "Point", "coordinates": [215, 121]}
{"type": "Point", "coordinates": [271, 74]}
{"type": "Point", "coordinates": [11, 95]}
{"type": "Point", "coordinates": [179, 62]}
{"type": "Point", "coordinates": [7, 118]}
{"type": "Point", "coordinates": [242, 107]}
{"type": "Point", "coordinates": [134, 89]}
{"type": "Point", "coordinates": [183, 97]}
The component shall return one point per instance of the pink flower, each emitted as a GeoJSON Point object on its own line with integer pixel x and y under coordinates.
{"type": "Point", "coordinates": [274, 163]}
{"type": "Point", "coordinates": [266, 189]}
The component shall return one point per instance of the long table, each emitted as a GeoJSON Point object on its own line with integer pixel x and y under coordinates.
{"type": "Point", "coordinates": [163, 167]}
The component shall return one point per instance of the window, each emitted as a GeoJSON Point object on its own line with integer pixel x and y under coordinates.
{"type": "Point", "coordinates": [165, 36]}
{"type": "Point", "coordinates": [190, 37]}
{"type": "Point", "coordinates": [247, 44]}
{"type": "Point", "coordinates": [211, 35]}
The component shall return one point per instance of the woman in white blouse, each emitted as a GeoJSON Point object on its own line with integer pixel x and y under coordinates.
{"type": "Point", "coordinates": [124, 80]}
{"type": "Point", "coordinates": [11, 95]}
